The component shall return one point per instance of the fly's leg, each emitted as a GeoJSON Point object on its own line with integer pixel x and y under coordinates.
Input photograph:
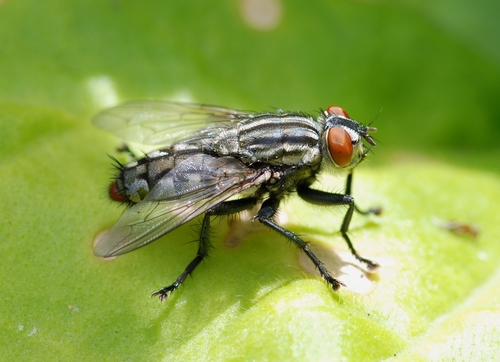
{"type": "Point", "coordinates": [163, 293]}
{"type": "Point", "coordinates": [325, 198]}
{"type": "Point", "coordinates": [372, 210]}
{"type": "Point", "coordinates": [225, 208]}
{"type": "Point", "coordinates": [265, 214]}
{"type": "Point", "coordinates": [343, 230]}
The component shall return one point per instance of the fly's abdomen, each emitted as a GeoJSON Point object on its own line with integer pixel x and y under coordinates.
{"type": "Point", "coordinates": [273, 139]}
{"type": "Point", "coordinates": [137, 178]}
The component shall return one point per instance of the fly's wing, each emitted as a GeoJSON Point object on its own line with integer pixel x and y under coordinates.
{"type": "Point", "coordinates": [194, 186]}
{"type": "Point", "coordinates": [162, 122]}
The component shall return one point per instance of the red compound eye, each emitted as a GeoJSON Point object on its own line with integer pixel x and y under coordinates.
{"type": "Point", "coordinates": [337, 110]}
{"type": "Point", "coordinates": [115, 194]}
{"type": "Point", "coordinates": [340, 146]}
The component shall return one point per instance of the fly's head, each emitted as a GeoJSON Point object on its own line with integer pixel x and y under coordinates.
{"type": "Point", "coordinates": [343, 139]}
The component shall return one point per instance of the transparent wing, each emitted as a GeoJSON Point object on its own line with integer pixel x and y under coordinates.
{"type": "Point", "coordinates": [194, 186]}
{"type": "Point", "coordinates": [162, 122]}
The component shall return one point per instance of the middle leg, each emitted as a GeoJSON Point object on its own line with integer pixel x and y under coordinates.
{"type": "Point", "coordinates": [265, 214]}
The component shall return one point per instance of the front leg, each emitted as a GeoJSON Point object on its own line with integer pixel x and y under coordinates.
{"type": "Point", "coordinates": [348, 190]}
{"type": "Point", "coordinates": [330, 199]}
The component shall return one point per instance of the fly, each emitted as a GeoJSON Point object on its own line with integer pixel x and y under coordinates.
{"type": "Point", "coordinates": [219, 161]}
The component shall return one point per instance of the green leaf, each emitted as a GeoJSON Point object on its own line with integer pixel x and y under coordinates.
{"type": "Point", "coordinates": [256, 298]}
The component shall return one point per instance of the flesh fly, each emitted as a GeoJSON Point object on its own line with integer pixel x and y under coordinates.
{"type": "Point", "coordinates": [219, 161]}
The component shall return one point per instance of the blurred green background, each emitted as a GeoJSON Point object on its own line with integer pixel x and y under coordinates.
{"type": "Point", "coordinates": [427, 73]}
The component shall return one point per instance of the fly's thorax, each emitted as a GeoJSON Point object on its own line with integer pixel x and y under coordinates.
{"type": "Point", "coordinates": [274, 139]}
